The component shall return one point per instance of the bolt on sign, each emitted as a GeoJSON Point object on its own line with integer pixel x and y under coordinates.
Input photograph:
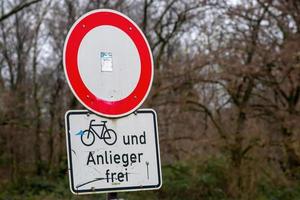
{"type": "Point", "coordinates": [112, 146]}
{"type": "Point", "coordinates": [112, 154]}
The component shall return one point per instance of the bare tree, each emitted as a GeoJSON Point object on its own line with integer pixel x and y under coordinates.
{"type": "Point", "coordinates": [17, 8]}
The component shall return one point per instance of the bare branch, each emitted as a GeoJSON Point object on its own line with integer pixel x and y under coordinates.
{"type": "Point", "coordinates": [18, 8]}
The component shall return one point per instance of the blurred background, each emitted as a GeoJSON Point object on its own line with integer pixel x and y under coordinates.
{"type": "Point", "coordinates": [226, 90]}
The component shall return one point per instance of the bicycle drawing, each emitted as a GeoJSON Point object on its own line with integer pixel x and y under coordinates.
{"type": "Point", "coordinates": [88, 136]}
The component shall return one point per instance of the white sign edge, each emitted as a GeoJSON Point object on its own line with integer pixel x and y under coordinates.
{"type": "Point", "coordinates": [132, 189]}
{"type": "Point", "coordinates": [65, 70]}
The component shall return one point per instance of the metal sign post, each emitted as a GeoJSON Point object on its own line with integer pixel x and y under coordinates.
{"type": "Point", "coordinates": [112, 196]}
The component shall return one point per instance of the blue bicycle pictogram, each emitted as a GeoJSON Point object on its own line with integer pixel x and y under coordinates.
{"type": "Point", "coordinates": [88, 136]}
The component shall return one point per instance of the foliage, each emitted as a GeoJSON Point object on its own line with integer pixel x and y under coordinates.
{"type": "Point", "coordinates": [194, 180]}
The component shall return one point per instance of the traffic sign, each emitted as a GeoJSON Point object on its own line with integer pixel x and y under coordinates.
{"type": "Point", "coordinates": [108, 63]}
{"type": "Point", "coordinates": [110, 155]}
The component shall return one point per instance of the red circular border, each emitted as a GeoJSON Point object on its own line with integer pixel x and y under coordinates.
{"type": "Point", "coordinates": [84, 95]}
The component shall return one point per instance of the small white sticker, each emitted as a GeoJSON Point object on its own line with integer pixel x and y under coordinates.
{"type": "Point", "coordinates": [106, 61]}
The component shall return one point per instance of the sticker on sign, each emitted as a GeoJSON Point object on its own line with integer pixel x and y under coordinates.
{"type": "Point", "coordinates": [106, 62]}
{"type": "Point", "coordinates": [106, 155]}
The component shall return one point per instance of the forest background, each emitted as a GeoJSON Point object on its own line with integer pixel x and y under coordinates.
{"type": "Point", "coordinates": [226, 89]}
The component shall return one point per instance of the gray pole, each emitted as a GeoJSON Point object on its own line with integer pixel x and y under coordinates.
{"type": "Point", "coordinates": [112, 196]}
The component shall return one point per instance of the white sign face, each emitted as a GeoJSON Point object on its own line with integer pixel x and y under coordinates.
{"type": "Point", "coordinates": [107, 155]}
{"type": "Point", "coordinates": [122, 63]}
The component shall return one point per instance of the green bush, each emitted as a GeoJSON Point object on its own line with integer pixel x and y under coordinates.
{"type": "Point", "coordinates": [191, 180]}
{"type": "Point", "coordinates": [269, 191]}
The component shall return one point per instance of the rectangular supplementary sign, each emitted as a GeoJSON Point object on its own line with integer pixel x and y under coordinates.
{"type": "Point", "coordinates": [110, 155]}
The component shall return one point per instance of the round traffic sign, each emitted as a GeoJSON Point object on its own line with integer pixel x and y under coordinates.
{"type": "Point", "coordinates": [108, 63]}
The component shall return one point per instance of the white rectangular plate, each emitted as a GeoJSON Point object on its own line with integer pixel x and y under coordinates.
{"type": "Point", "coordinates": [110, 155]}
